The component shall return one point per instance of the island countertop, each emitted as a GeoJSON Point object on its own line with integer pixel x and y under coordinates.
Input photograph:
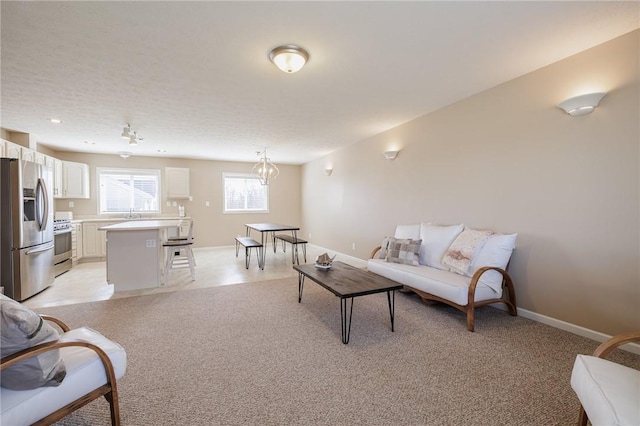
{"type": "Point", "coordinates": [140, 225]}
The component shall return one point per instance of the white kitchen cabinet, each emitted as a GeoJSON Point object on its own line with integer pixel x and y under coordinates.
{"type": "Point", "coordinates": [3, 148]}
{"type": "Point", "coordinates": [39, 158]}
{"type": "Point", "coordinates": [49, 161]}
{"type": "Point", "coordinates": [94, 241]}
{"type": "Point", "coordinates": [27, 154]}
{"type": "Point", "coordinates": [57, 178]}
{"type": "Point", "coordinates": [76, 242]}
{"type": "Point", "coordinates": [177, 181]}
{"type": "Point", "coordinates": [13, 150]}
{"type": "Point", "coordinates": [75, 180]}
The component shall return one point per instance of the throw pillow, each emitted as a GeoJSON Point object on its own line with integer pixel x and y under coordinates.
{"type": "Point", "coordinates": [382, 253]}
{"type": "Point", "coordinates": [21, 328]}
{"type": "Point", "coordinates": [406, 251]}
{"type": "Point", "coordinates": [461, 252]}
{"type": "Point", "coordinates": [435, 242]}
{"type": "Point", "coordinates": [496, 251]}
{"type": "Point", "coordinates": [408, 232]}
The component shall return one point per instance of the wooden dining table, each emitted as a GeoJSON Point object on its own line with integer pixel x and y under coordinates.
{"type": "Point", "coordinates": [265, 229]}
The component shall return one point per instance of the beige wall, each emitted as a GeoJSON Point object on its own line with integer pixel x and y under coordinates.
{"type": "Point", "coordinates": [213, 228]}
{"type": "Point", "coordinates": [509, 160]}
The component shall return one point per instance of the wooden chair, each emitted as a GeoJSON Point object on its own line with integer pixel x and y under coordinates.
{"type": "Point", "coordinates": [82, 350]}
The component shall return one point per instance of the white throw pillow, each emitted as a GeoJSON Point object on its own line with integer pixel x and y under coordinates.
{"type": "Point", "coordinates": [411, 232]}
{"type": "Point", "coordinates": [435, 242]}
{"type": "Point", "coordinates": [496, 251]}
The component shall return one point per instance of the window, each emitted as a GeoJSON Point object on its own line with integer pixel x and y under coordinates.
{"type": "Point", "coordinates": [123, 190]}
{"type": "Point", "coordinates": [244, 193]}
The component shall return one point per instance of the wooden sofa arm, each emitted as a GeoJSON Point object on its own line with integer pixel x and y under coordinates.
{"type": "Point", "coordinates": [605, 348]}
{"type": "Point", "coordinates": [374, 251]}
{"type": "Point", "coordinates": [506, 280]}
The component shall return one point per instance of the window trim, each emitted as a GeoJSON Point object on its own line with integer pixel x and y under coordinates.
{"type": "Point", "coordinates": [226, 175]}
{"type": "Point", "coordinates": [128, 171]}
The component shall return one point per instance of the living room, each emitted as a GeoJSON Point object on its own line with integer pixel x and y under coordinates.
{"type": "Point", "coordinates": [505, 159]}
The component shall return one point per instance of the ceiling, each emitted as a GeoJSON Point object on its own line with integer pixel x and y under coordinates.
{"type": "Point", "coordinates": [194, 79]}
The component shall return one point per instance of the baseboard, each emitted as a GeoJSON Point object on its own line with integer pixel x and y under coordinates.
{"type": "Point", "coordinates": [575, 329]}
{"type": "Point", "coordinates": [562, 325]}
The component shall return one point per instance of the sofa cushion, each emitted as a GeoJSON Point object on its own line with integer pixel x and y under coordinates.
{"type": "Point", "coordinates": [21, 329]}
{"type": "Point", "coordinates": [463, 250]}
{"type": "Point", "coordinates": [405, 251]}
{"type": "Point", "coordinates": [85, 372]}
{"type": "Point", "coordinates": [408, 231]}
{"type": "Point", "coordinates": [444, 284]}
{"type": "Point", "coordinates": [609, 392]}
{"type": "Point", "coordinates": [435, 242]}
{"type": "Point", "coordinates": [496, 251]}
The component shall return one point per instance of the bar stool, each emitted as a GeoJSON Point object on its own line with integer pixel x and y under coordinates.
{"type": "Point", "coordinates": [184, 257]}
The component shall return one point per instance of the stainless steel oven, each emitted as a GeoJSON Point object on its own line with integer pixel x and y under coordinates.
{"type": "Point", "coordinates": [62, 246]}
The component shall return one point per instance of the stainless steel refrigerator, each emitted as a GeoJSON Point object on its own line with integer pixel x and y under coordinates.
{"type": "Point", "coordinates": [26, 228]}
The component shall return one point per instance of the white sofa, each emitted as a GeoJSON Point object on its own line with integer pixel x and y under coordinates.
{"type": "Point", "coordinates": [481, 279]}
{"type": "Point", "coordinates": [609, 393]}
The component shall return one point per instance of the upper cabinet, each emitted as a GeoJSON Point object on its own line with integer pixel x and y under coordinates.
{"type": "Point", "coordinates": [57, 178]}
{"type": "Point", "coordinates": [75, 180]}
{"type": "Point", "coordinates": [27, 154]}
{"type": "Point", "coordinates": [177, 181]}
{"type": "Point", "coordinates": [13, 150]}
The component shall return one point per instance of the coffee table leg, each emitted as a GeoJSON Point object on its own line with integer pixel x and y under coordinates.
{"type": "Point", "coordinates": [300, 285]}
{"type": "Point", "coordinates": [262, 251]}
{"type": "Point", "coordinates": [391, 299]}
{"type": "Point", "coordinates": [346, 321]}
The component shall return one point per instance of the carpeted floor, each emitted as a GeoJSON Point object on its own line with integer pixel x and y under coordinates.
{"type": "Point", "coordinates": [250, 354]}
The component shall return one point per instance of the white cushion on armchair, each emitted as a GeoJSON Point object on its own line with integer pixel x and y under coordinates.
{"type": "Point", "coordinates": [609, 392]}
{"type": "Point", "coordinates": [85, 372]}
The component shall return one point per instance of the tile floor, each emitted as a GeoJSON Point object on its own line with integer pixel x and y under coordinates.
{"type": "Point", "coordinates": [86, 281]}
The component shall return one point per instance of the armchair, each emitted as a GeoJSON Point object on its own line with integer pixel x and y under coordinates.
{"type": "Point", "coordinates": [608, 392]}
{"type": "Point", "coordinates": [93, 366]}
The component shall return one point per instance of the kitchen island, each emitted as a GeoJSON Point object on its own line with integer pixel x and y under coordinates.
{"type": "Point", "coordinates": [135, 259]}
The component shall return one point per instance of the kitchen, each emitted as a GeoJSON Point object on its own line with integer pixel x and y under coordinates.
{"type": "Point", "coordinates": [195, 184]}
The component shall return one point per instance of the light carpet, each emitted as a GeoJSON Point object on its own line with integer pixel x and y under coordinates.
{"type": "Point", "coordinates": [251, 354]}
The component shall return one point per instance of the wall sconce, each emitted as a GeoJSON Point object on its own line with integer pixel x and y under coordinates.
{"type": "Point", "coordinates": [328, 172]}
{"type": "Point", "coordinates": [390, 155]}
{"type": "Point", "coordinates": [581, 105]}
{"type": "Point", "coordinates": [124, 154]}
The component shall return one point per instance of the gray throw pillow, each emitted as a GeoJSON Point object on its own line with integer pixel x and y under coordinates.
{"type": "Point", "coordinates": [21, 328]}
{"type": "Point", "coordinates": [405, 251]}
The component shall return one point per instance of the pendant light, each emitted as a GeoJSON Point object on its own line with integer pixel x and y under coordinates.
{"type": "Point", "coordinates": [264, 169]}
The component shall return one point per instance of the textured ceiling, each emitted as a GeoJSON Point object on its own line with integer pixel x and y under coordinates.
{"type": "Point", "coordinates": [194, 79]}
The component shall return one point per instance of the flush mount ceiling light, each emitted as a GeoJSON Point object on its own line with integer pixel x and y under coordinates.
{"type": "Point", "coordinates": [264, 169]}
{"type": "Point", "coordinates": [583, 104]}
{"type": "Point", "coordinates": [55, 121]}
{"type": "Point", "coordinates": [390, 155]}
{"type": "Point", "coordinates": [289, 58]}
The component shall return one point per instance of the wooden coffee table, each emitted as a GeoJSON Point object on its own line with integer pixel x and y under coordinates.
{"type": "Point", "coordinates": [348, 282]}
